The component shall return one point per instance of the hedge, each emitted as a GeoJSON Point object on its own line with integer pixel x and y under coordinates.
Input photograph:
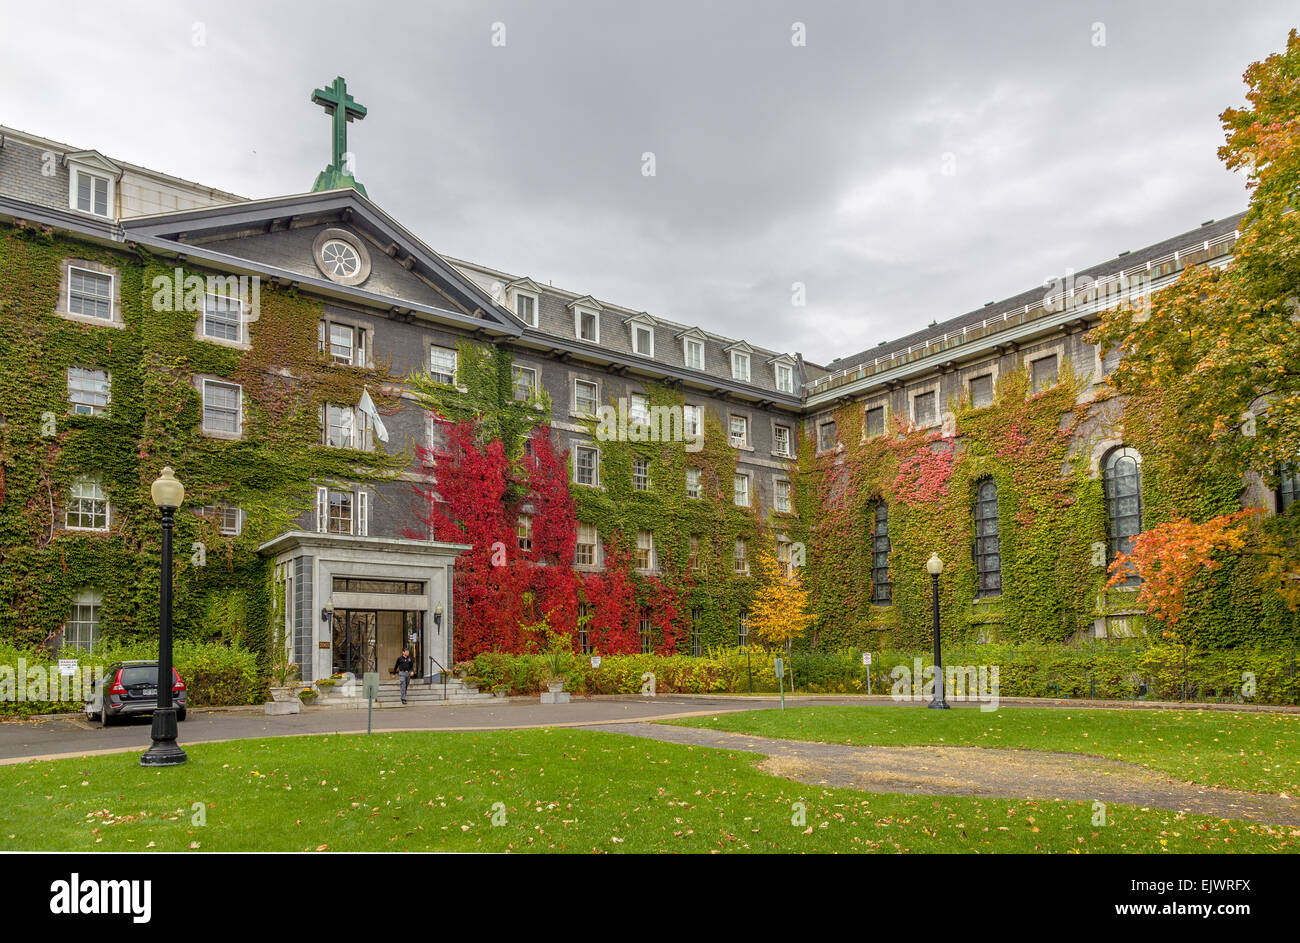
{"type": "Point", "coordinates": [1160, 672]}
{"type": "Point", "coordinates": [214, 673]}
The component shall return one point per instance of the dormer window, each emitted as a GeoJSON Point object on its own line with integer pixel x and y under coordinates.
{"type": "Point", "coordinates": [643, 339]}
{"type": "Point", "coordinates": [740, 366]}
{"type": "Point", "coordinates": [526, 307]}
{"type": "Point", "coordinates": [92, 180]}
{"type": "Point", "coordinates": [693, 352]}
{"type": "Point", "coordinates": [586, 325]}
{"type": "Point", "coordinates": [90, 192]}
{"type": "Point", "coordinates": [784, 377]}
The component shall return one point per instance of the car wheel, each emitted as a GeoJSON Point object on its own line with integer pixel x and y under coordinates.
{"type": "Point", "coordinates": [180, 714]}
{"type": "Point", "coordinates": [104, 719]}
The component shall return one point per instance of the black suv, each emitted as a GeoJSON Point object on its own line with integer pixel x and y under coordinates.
{"type": "Point", "coordinates": [131, 687]}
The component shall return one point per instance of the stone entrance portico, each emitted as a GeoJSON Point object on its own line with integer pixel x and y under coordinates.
{"type": "Point", "coordinates": [357, 591]}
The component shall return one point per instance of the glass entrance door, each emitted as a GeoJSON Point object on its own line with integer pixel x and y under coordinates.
{"type": "Point", "coordinates": [355, 637]}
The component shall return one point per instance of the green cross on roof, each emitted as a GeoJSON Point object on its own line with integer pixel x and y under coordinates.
{"type": "Point", "coordinates": [343, 107]}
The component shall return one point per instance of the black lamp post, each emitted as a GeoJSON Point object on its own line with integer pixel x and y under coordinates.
{"type": "Point", "coordinates": [168, 493]}
{"type": "Point", "coordinates": [934, 566]}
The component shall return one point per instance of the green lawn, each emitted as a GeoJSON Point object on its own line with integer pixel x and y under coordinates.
{"type": "Point", "coordinates": [560, 790]}
{"type": "Point", "coordinates": [1255, 752]}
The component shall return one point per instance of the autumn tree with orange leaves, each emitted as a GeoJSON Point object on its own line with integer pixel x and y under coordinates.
{"type": "Point", "coordinates": [1222, 347]}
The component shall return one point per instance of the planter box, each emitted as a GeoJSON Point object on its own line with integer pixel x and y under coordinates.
{"type": "Point", "coordinates": [282, 707]}
{"type": "Point", "coordinates": [555, 697]}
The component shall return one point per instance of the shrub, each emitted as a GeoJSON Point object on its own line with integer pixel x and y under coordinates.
{"type": "Point", "coordinates": [1104, 671]}
{"type": "Point", "coordinates": [214, 673]}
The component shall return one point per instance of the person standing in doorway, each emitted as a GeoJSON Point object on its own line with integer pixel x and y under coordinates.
{"type": "Point", "coordinates": [403, 667]}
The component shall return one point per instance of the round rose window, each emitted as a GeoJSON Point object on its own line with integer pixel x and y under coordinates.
{"type": "Point", "coordinates": [339, 259]}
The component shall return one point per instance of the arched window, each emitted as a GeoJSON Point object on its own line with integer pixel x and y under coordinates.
{"type": "Point", "coordinates": [1122, 482]}
{"type": "Point", "coordinates": [988, 543]}
{"type": "Point", "coordinates": [881, 590]}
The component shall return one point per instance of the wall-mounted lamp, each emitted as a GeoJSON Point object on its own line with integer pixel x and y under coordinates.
{"type": "Point", "coordinates": [437, 616]}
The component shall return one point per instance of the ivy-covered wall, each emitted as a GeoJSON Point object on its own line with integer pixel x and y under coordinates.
{"type": "Point", "coordinates": [1039, 449]}
{"type": "Point", "coordinates": [154, 419]}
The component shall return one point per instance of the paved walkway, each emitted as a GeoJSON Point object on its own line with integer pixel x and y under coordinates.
{"type": "Point", "coordinates": [979, 771]}
{"type": "Point", "coordinates": [71, 735]}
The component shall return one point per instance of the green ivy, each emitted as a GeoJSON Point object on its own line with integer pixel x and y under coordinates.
{"type": "Point", "coordinates": [154, 420]}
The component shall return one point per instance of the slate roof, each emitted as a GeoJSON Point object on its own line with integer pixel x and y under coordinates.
{"type": "Point", "coordinates": [1128, 262]}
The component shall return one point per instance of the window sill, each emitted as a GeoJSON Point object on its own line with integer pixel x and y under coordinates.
{"type": "Point", "coordinates": [88, 319]}
{"type": "Point", "coordinates": [223, 436]}
{"type": "Point", "coordinates": [223, 342]}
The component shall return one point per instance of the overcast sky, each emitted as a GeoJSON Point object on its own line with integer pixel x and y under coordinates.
{"type": "Point", "coordinates": [910, 162]}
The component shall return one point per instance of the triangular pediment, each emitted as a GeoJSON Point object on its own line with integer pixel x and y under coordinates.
{"type": "Point", "coordinates": [294, 238]}
{"type": "Point", "coordinates": [93, 160]}
{"type": "Point", "coordinates": [586, 301]}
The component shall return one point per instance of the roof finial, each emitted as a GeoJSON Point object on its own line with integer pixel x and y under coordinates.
{"type": "Point", "coordinates": [337, 102]}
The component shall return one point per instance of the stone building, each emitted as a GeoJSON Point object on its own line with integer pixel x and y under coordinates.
{"type": "Point", "coordinates": [348, 571]}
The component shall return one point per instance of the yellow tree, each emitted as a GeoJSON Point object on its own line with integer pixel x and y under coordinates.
{"type": "Point", "coordinates": [779, 612]}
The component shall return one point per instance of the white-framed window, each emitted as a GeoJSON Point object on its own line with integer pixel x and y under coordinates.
{"type": "Point", "coordinates": [443, 363]}
{"type": "Point", "coordinates": [740, 488]}
{"type": "Point", "coordinates": [346, 427]}
{"type": "Point", "coordinates": [693, 352]}
{"type": "Point", "coordinates": [638, 409]}
{"type": "Point", "coordinates": [229, 520]}
{"type": "Point", "coordinates": [222, 407]}
{"type": "Point", "coordinates": [643, 339]}
{"type": "Point", "coordinates": [739, 432]}
{"type": "Point", "coordinates": [91, 193]}
{"type": "Point", "coordinates": [740, 366]}
{"type": "Point", "coordinates": [524, 383]}
{"type": "Point", "coordinates": [740, 559]}
{"type": "Point", "coordinates": [641, 474]}
{"type": "Point", "coordinates": [223, 318]}
{"type": "Point", "coordinates": [827, 436]}
{"type": "Point", "coordinates": [784, 377]}
{"type": "Point", "coordinates": [344, 343]}
{"type": "Point", "coordinates": [693, 487]}
{"type": "Point", "coordinates": [585, 549]}
{"type": "Point", "coordinates": [586, 324]}
{"type": "Point", "coordinates": [526, 307]}
{"type": "Point", "coordinates": [586, 395]}
{"type": "Point", "coordinates": [742, 629]}
{"type": "Point", "coordinates": [785, 557]}
{"type": "Point", "coordinates": [82, 628]}
{"type": "Point", "coordinates": [692, 424]}
{"type": "Point", "coordinates": [781, 441]}
{"type": "Point", "coordinates": [87, 507]}
{"type": "Point", "coordinates": [90, 294]}
{"type": "Point", "coordinates": [586, 465]}
{"type": "Point", "coordinates": [88, 392]}
{"type": "Point", "coordinates": [524, 533]}
{"type": "Point", "coordinates": [781, 495]}
{"type": "Point", "coordinates": [693, 553]}
{"type": "Point", "coordinates": [340, 511]}
{"type": "Point", "coordinates": [645, 551]}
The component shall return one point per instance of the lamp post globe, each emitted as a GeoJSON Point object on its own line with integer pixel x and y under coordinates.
{"type": "Point", "coordinates": [167, 494]}
{"type": "Point", "coordinates": [934, 566]}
